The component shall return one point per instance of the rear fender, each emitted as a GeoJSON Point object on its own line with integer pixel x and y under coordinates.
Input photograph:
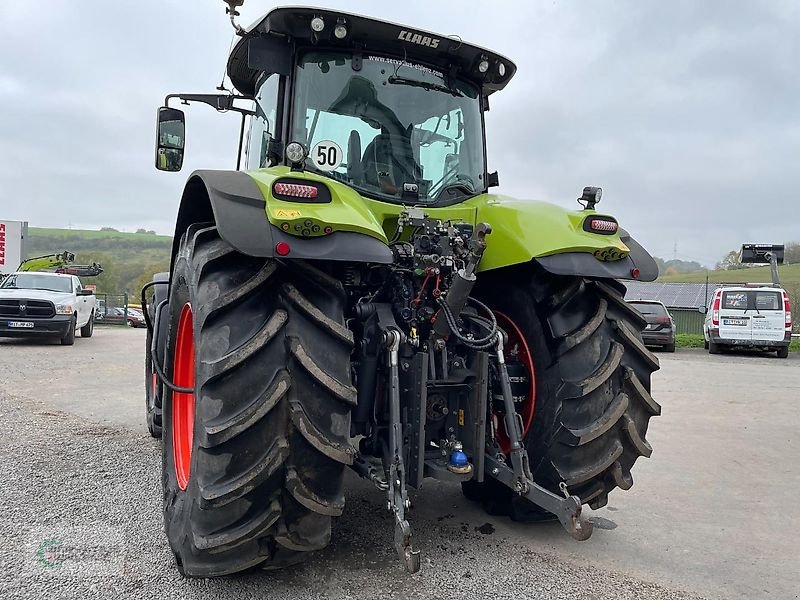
{"type": "Point", "coordinates": [236, 204]}
{"type": "Point", "coordinates": [556, 239]}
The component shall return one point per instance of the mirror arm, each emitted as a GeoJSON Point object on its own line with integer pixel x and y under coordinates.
{"type": "Point", "coordinates": [241, 143]}
{"type": "Point", "coordinates": [219, 102]}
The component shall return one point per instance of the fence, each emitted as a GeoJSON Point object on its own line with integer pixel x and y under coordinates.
{"type": "Point", "coordinates": [687, 320]}
{"type": "Point", "coordinates": [112, 309]}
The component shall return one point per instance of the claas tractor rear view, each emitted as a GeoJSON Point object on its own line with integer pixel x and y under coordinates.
{"type": "Point", "coordinates": [355, 296]}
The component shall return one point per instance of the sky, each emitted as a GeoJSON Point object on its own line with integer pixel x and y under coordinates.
{"type": "Point", "coordinates": [686, 113]}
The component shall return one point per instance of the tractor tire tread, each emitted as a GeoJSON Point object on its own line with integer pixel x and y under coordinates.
{"type": "Point", "coordinates": [593, 401]}
{"type": "Point", "coordinates": [273, 398]}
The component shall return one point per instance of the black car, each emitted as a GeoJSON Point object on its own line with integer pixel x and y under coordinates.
{"type": "Point", "coordinates": [660, 329]}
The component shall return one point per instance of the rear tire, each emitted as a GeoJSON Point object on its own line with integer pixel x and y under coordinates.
{"type": "Point", "coordinates": [153, 387]}
{"type": "Point", "coordinates": [88, 329]}
{"type": "Point", "coordinates": [273, 396]}
{"type": "Point", "coordinates": [152, 398]}
{"type": "Point", "coordinates": [592, 375]}
{"type": "Point", "coordinates": [783, 352]}
{"type": "Point", "coordinates": [69, 338]}
{"type": "Point", "coordinates": [670, 347]}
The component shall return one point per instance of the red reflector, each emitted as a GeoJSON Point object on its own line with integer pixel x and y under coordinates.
{"type": "Point", "coordinates": [296, 190]}
{"type": "Point", "coordinates": [282, 248]}
{"type": "Point", "coordinates": [635, 272]}
{"type": "Point", "coordinates": [328, 229]}
{"type": "Point", "coordinates": [603, 225]}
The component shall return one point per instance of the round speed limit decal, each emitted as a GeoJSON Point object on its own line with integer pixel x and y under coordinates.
{"type": "Point", "coordinates": [326, 155]}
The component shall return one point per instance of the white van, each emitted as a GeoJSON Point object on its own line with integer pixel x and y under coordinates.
{"type": "Point", "coordinates": [749, 316]}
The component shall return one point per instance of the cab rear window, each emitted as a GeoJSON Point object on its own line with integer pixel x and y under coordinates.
{"type": "Point", "coordinates": [752, 300]}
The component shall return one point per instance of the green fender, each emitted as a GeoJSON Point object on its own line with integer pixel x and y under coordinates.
{"type": "Point", "coordinates": [522, 230]}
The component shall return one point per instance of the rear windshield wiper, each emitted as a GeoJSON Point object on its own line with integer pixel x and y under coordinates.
{"type": "Point", "coordinates": [465, 189]}
{"type": "Point", "coordinates": [425, 85]}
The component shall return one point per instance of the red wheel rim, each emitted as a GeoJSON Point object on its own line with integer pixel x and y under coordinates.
{"type": "Point", "coordinates": [516, 350]}
{"type": "Point", "coordinates": [183, 404]}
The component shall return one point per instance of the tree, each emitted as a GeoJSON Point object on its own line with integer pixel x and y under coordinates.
{"type": "Point", "coordinates": [791, 255]}
{"type": "Point", "coordinates": [146, 277]}
{"type": "Point", "coordinates": [729, 262]}
{"type": "Point", "coordinates": [676, 266]}
{"type": "Point", "coordinates": [108, 281]}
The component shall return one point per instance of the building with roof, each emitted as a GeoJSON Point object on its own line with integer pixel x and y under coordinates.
{"type": "Point", "coordinates": [672, 295]}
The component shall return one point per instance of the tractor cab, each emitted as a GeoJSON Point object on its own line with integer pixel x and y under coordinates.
{"type": "Point", "coordinates": [394, 113]}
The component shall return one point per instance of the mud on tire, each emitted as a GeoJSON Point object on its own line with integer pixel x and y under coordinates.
{"type": "Point", "coordinates": [593, 401]}
{"type": "Point", "coordinates": [273, 396]}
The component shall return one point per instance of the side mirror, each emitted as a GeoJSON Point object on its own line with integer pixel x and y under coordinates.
{"type": "Point", "coordinates": [702, 310]}
{"type": "Point", "coordinates": [86, 293]}
{"type": "Point", "coordinates": [170, 139]}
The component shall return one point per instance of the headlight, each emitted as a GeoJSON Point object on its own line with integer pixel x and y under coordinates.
{"type": "Point", "coordinates": [64, 309]}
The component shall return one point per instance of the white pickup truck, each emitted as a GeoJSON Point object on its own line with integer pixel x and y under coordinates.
{"type": "Point", "coordinates": [37, 304]}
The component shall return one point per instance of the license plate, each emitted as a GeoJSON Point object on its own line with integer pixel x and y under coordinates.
{"type": "Point", "coordinates": [21, 324]}
{"type": "Point", "coordinates": [734, 321]}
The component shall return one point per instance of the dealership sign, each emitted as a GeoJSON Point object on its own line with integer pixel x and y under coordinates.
{"type": "Point", "coordinates": [12, 235]}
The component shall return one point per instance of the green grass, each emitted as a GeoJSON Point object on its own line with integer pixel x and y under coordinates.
{"type": "Point", "coordinates": [688, 340]}
{"type": "Point", "coordinates": [691, 340]}
{"type": "Point", "coordinates": [788, 274]}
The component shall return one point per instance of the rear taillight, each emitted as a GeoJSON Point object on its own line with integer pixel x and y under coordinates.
{"type": "Point", "coordinates": [296, 190]}
{"type": "Point", "coordinates": [293, 189]}
{"type": "Point", "coordinates": [601, 224]}
{"type": "Point", "coordinates": [666, 320]}
{"type": "Point", "coordinates": [715, 310]}
{"type": "Point", "coordinates": [787, 309]}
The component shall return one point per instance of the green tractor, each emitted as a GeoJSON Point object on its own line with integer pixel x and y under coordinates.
{"type": "Point", "coordinates": [356, 296]}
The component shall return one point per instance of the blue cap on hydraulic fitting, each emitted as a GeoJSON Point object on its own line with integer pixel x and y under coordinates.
{"type": "Point", "coordinates": [458, 459]}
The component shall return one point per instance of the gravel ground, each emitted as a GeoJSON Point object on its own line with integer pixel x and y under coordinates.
{"type": "Point", "coordinates": [82, 519]}
{"type": "Point", "coordinates": [81, 515]}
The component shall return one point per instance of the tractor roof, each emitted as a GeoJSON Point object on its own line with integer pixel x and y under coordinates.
{"type": "Point", "coordinates": [368, 35]}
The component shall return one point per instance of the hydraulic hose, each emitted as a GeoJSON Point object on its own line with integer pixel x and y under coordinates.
{"type": "Point", "coordinates": [158, 368]}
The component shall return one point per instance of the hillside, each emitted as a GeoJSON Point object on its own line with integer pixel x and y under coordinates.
{"type": "Point", "coordinates": [789, 275]}
{"type": "Point", "coordinates": [129, 259]}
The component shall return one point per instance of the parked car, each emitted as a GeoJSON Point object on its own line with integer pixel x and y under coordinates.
{"type": "Point", "coordinates": [749, 317]}
{"type": "Point", "coordinates": [135, 318]}
{"type": "Point", "coordinates": [660, 329]}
